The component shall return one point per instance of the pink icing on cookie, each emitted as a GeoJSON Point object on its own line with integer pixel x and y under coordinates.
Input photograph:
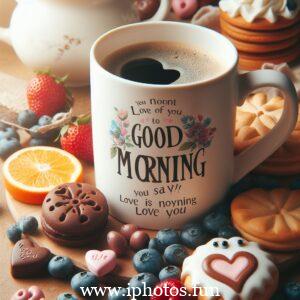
{"type": "Point", "coordinates": [230, 270]}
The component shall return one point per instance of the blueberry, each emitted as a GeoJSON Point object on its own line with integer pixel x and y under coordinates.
{"type": "Point", "coordinates": [44, 120]}
{"type": "Point", "coordinates": [228, 232]}
{"type": "Point", "coordinates": [148, 260]}
{"type": "Point", "coordinates": [66, 296]}
{"type": "Point", "coordinates": [214, 221]}
{"type": "Point", "coordinates": [157, 245]}
{"type": "Point", "coordinates": [38, 142]}
{"type": "Point", "coordinates": [291, 5]}
{"type": "Point", "coordinates": [193, 236]}
{"type": "Point", "coordinates": [8, 146]}
{"type": "Point", "coordinates": [169, 272]}
{"type": "Point", "coordinates": [168, 237]}
{"type": "Point", "coordinates": [265, 182]}
{"type": "Point", "coordinates": [175, 254]}
{"type": "Point", "coordinates": [14, 233]}
{"type": "Point", "coordinates": [84, 280]}
{"type": "Point", "coordinates": [143, 279]}
{"type": "Point", "coordinates": [118, 294]}
{"type": "Point", "coordinates": [60, 267]}
{"type": "Point", "coordinates": [295, 184]}
{"type": "Point", "coordinates": [28, 225]}
{"type": "Point", "coordinates": [9, 132]}
{"type": "Point", "coordinates": [292, 290]}
{"type": "Point", "coordinates": [27, 118]}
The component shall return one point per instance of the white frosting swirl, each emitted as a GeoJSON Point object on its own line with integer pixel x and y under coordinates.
{"type": "Point", "coordinates": [254, 9]}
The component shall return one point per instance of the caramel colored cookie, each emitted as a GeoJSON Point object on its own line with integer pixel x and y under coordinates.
{"type": "Point", "coordinates": [255, 118]}
{"type": "Point", "coordinates": [260, 37]}
{"type": "Point", "coordinates": [254, 61]}
{"type": "Point", "coordinates": [270, 218]}
{"type": "Point", "coordinates": [74, 214]}
{"type": "Point", "coordinates": [236, 268]}
{"type": "Point", "coordinates": [263, 48]}
{"type": "Point", "coordinates": [259, 24]}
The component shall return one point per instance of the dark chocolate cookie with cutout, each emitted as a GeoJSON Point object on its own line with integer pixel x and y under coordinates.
{"type": "Point", "coordinates": [74, 214]}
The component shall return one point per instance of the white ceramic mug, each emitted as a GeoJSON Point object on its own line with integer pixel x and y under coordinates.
{"type": "Point", "coordinates": [152, 174]}
{"type": "Point", "coordinates": [58, 34]}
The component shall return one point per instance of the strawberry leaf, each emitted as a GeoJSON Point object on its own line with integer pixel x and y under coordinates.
{"type": "Point", "coordinates": [85, 119]}
{"type": "Point", "coordinates": [64, 130]}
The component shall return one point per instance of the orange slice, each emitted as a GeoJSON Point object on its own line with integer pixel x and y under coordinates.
{"type": "Point", "coordinates": [29, 174]}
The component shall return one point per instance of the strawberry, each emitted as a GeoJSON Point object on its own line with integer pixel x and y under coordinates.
{"type": "Point", "coordinates": [170, 287]}
{"type": "Point", "coordinates": [77, 139]}
{"type": "Point", "coordinates": [47, 94]}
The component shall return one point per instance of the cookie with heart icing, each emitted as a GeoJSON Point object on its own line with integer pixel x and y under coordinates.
{"type": "Point", "coordinates": [269, 217]}
{"type": "Point", "coordinates": [230, 269]}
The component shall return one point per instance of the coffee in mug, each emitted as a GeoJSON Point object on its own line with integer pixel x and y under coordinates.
{"type": "Point", "coordinates": [163, 145]}
{"type": "Point", "coordinates": [162, 63]}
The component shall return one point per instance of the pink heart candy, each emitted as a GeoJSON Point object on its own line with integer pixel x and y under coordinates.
{"type": "Point", "coordinates": [21, 294]}
{"type": "Point", "coordinates": [36, 293]}
{"type": "Point", "coordinates": [184, 8]}
{"type": "Point", "coordinates": [101, 262]}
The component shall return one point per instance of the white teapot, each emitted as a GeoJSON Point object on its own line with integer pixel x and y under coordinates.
{"type": "Point", "coordinates": [58, 34]}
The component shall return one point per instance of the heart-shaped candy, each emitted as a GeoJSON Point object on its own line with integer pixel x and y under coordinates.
{"type": "Point", "coordinates": [28, 259]}
{"type": "Point", "coordinates": [184, 9]}
{"type": "Point", "coordinates": [101, 262]}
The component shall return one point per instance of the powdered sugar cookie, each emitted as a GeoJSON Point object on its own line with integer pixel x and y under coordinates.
{"type": "Point", "coordinates": [234, 268]}
{"type": "Point", "coordinates": [269, 217]}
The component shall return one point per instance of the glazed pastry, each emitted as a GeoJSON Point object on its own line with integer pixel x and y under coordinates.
{"type": "Point", "coordinates": [270, 218]}
{"type": "Point", "coordinates": [262, 31]}
{"type": "Point", "coordinates": [74, 214]}
{"type": "Point", "coordinates": [237, 268]}
{"type": "Point", "coordinates": [254, 119]}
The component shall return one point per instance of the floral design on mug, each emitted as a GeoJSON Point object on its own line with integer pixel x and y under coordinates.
{"type": "Point", "coordinates": [198, 132]}
{"type": "Point", "coordinates": [119, 132]}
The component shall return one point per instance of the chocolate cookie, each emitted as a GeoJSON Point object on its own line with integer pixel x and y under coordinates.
{"type": "Point", "coordinates": [74, 214]}
{"type": "Point", "coordinates": [29, 260]}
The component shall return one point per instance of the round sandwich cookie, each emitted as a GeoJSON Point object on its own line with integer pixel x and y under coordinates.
{"type": "Point", "coordinates": [235, 268]}
{"type": "Point", "coordinates": [74, 214]}
{"type": "Point", "coordinates": [269, 217]}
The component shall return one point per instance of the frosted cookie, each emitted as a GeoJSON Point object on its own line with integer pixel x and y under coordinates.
{"type": "Point", "coordinates": [269, 217]}
{"type": "Point", "coordinates": [235, 268]}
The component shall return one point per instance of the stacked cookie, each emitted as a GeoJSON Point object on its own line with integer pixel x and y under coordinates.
{"type": "Point", "coordinates": [268, 31]}
{"type": "Point", "coordinates": [255, 118]}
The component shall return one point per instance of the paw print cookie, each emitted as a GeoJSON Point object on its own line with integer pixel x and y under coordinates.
{"type": "Point", "coordinates": [269, 217]}
{"type": "Point", "coordinates": [233, 268]}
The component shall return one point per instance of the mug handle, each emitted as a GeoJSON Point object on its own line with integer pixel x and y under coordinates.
{"type": "Point", "coordinates": [162, 12]}
{"type": "Point", "coordinates": [253, 156]}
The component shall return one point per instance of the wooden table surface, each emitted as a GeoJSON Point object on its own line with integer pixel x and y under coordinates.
{"type": "Point", "coordinates": [10, 64]}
